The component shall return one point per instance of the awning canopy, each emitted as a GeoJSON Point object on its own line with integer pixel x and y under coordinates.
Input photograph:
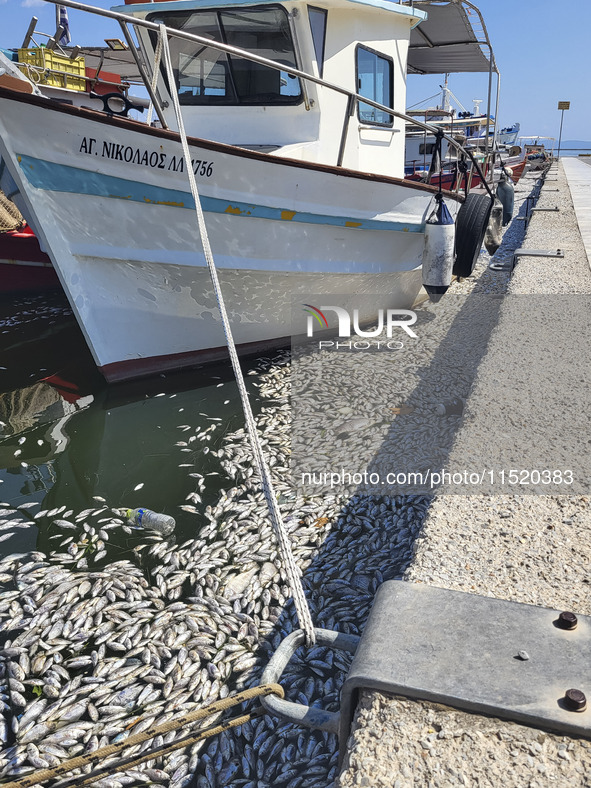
{"type": "Point", "coordinates": [116, 61]}
{"type": "Point", "coordinates": [453, 38]}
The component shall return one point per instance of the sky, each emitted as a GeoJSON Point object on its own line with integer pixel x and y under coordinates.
{"type": "Point", "coordinates": [541, 49]}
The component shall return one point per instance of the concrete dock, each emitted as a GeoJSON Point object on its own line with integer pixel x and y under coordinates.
{"type": "Point", "coordinates": [579, 183]}
{"type": "Point", "coordinates": [534, 549]}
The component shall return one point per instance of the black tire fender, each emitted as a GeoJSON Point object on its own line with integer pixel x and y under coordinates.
{"type": "Point", "coordinates": [471, 225]}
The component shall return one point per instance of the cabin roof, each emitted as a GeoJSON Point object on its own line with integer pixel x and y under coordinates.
{"type": "Point", "coordinates": [183, 5]}
{"type": "Point", "coordinates": [447, 36]}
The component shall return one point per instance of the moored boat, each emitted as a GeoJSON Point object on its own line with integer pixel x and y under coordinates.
{"type": "Point", "coordinates": [455, 121]}
{"type": "Point", "coordinates": [61, 74]}
{"type": "Point", "coordinates": [23, 266]}
{"type": "Point", "coordinates": [301, 180]}
{"type": "Point", "coordinates": [537, 154]}
{"type": "Point", "coordinates": [508, 135]}
{"type": "Point", "coordinates": [451, 178]}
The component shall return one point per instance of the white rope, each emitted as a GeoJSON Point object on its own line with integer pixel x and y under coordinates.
{"type": "Point", "coordinates": [291, 568]}
{"type": "Point", "coordinates": [156, 69]}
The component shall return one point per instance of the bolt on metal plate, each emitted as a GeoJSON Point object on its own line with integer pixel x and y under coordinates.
{"type": "Point", "coordinates": [467, 651]}
{"type": "Point", "coordinates": [568, 620]}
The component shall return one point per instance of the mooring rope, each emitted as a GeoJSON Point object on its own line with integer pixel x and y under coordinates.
{"type": "Point", "coordinates": [291, 568]}
{"type": "Point", "coordinates": [35, 778]}
{"type": "Point", "coordinates": [157, 59]}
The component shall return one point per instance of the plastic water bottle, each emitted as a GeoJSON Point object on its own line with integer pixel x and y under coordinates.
{"type": "Point", "coordinates": [154, 521]}
{"type": "Point", "coordinates": [453, 407]}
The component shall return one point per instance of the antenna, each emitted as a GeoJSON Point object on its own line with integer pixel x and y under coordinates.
{"type": "Point", "coordinates": [445, 95]}
{"type": "Point", "coordinates": [477, 103]}
{"type": "Point", "coordinates": [456, 99]}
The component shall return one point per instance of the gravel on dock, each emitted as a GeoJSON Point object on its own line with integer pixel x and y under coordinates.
{"type": "Point", "coordinates": [532, 549]}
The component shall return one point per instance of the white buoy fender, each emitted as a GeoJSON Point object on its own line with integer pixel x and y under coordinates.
{"type": "Point", "coordinates": [438, 250]}
{"type": "Point", "coordinates": [506, 194]}
{"type": "Point", "coordinates": [493, 236]}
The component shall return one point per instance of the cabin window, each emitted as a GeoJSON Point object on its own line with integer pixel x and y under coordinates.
{"type": "Point", "coordinates": [426, 148]}
{"type": "Point", "coordinates": [374, 81]}
{"type": "Point", "coordinates": [205, 75]}
{"type": "Point", "coordinates": [317, 17]}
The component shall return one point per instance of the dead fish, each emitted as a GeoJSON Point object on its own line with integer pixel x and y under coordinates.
{"type": "Point", "coordinates": [239, 583]}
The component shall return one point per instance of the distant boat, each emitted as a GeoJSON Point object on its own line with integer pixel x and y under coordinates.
{"type": "Point", "coordinates": [455, 122]}
{"type": "Point", "coordinates": [508, 135]}
{"type": "Point", "coordinates": [451, 180]}
{"type": "Point", "coordinates": [536, 151]}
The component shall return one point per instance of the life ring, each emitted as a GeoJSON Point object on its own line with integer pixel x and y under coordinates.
{"type": "Point", "coordinates": [471, 224]}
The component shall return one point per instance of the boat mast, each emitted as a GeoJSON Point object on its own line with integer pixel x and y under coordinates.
{"type": "Point", "coordinates": [445, 95]}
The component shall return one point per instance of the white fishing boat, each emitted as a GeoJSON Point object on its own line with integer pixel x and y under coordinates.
{"type": "Point", "coordinates": [295, 122]}
{"type": "Point", "coordinates": [456, 121]}
{"type": "Point", "coordinates": [420, 146]}
{"type": "Point", "coordinates": [539, 151]}
{"type": "Point", "coordinates": [508, 135]}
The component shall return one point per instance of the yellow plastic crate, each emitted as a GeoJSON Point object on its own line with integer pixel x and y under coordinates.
{"type": "Point", "coordinates": [53, 69]}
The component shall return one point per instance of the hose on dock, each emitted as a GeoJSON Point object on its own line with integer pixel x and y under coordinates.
{"type": "Point", "coordinates": [35, 778]}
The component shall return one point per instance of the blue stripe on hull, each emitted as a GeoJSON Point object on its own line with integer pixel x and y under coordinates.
{"type": "Point", "coordinates": [74, 180]}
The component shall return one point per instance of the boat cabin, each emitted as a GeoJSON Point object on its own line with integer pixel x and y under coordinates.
{"type": "Point", "coordinates": [360, 45]}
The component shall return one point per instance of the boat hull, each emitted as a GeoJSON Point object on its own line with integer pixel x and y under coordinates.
{"type": "Point", "coordinates": [23, 266]}
{"type": "Point", "coordinates": [110, 203]}
{"type": "Point", "coordinates": [449, 179]}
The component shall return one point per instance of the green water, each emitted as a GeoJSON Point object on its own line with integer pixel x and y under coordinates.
{"type": "Point", "coordinates": [83, 438]}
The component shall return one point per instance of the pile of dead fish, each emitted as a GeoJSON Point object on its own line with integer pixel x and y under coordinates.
{"type": "Point", "coordinates": [95, 649]}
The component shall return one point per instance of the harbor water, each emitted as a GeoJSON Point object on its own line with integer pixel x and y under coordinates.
{"type": "Point", "coordinates": [66, 436]}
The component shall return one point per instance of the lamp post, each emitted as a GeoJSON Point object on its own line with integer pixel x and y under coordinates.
{"type": "Point", "coordinates": [562, 105]}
